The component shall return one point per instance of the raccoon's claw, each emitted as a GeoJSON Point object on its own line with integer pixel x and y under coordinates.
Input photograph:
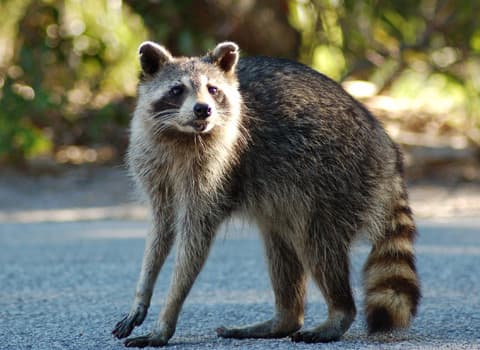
{"type": "Point", "coordinates": [125, 326]}
{"type": "Point", "coordinates": [155, 340]}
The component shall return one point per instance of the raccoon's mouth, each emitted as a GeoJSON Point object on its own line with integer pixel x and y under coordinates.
{"type": "Point", "coordinates": [200, 126]}
{"type": "Point", "coordinates": [195, 127]}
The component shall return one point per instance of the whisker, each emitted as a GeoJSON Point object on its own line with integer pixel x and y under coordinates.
{"type": "Point", "coordinates": [160, 129]}
{"type": "Point", "coordinates": [202, 144]}
{"type": "Point", "coordinates": [165, 113]}
{"type": "Point", "coordinates": [254, 118]}
{"type": "Point", "coordinates": [244, 116]}
{"type": "Point", "coordinates": [197, 151]}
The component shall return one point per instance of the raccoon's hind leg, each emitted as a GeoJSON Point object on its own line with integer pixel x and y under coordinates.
{"type": "Point", "coordinates": [288, 280]}
{"type": "Point", "coordinates": [328, 261]}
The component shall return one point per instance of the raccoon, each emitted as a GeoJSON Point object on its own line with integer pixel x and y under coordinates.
{"type": "Point", "coordinates": [287, 147]}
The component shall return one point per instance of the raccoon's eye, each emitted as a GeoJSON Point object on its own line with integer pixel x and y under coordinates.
{"type": "Point", "coordinates": [176, 90]}
{"type": "Point", "coordinates": [212, 90]}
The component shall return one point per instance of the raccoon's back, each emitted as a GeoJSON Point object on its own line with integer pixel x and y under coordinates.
{"type": "Point", "coordinates": [290, 84]}
{"type": "Point", "coordinates": [281, 90]}
{"type": "Point", "coordinates": [310, 137]}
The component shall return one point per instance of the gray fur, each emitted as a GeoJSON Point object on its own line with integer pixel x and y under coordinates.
{"type": "Point", "coordinates": [288, 148]}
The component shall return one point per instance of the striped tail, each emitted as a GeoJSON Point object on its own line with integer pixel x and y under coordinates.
{"type": "Point", "coordinates": [391, 282]}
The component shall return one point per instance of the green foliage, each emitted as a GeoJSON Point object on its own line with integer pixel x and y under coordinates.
{"type": "Point", "coordinates": [425, 52]}
{"type": "Point", "coordinates": [68, 68]}
{"type": "Point", "coordinates": [19, 137]}
{"type": "Point", "coordinates": [69, 58]}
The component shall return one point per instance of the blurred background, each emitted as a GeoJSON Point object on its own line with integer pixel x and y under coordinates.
{"type": "Point", "coordinates": [68, 70]}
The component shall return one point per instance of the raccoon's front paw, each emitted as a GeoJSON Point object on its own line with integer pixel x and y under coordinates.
{"type": "Point", "coordinates": [125, 326]}
{"type": "Point", "coordinates": [151, 339]}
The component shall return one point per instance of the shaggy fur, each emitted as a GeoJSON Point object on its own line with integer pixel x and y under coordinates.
{"type": "Point", "coordinates": [287, 147]}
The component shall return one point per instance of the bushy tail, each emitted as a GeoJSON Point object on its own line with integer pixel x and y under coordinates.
{"type": "Point", "coordinates": [392, 288]}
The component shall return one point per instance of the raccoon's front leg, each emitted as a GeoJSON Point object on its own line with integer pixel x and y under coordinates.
{"type": "Point", "coordinates": [194, 244]}
{"type": "Point", "coordinates": [157, 246]}
{"type": "Point", "coordinates": [288, 280]}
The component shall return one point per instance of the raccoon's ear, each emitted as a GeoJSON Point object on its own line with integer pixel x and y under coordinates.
{"type": "Point", "coordinates": [153, 57]}
{"type": "Point", "coordinates": [225, 55]}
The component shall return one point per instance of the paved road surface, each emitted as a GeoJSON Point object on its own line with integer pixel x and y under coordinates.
{"type": "Point", "coordinates": [64, 285]}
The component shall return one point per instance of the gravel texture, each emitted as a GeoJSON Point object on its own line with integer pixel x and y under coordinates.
{"type": "Point", "coordinates": [64, 286]}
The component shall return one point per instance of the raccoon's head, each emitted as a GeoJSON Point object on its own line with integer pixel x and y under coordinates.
{"type": "Point", "coordinates": [195, 95]}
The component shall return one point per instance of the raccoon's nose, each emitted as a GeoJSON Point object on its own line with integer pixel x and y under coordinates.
{"type": "Point", "coordinates": [202, 110]}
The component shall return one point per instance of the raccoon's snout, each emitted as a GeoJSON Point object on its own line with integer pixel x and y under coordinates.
{"type": "Point", "coordinates": [202, 110]}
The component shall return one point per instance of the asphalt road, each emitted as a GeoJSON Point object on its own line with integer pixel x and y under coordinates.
{"type": "Point", "coordinates": [64, 286]}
